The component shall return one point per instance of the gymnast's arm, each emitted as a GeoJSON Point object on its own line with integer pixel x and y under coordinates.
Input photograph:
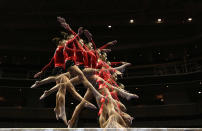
{"type": "Point", "coordinates": [65, 25]}
{"type": "Point", "coordinates": [80, 31]}
{"type": "Point", "coordinates": [108, 44]}
{"type": "Point", "coordinates": [45, 68]}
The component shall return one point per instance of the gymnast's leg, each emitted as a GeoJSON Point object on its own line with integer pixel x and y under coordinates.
{"type": "Point", "coordinates": [79, 107]}
{"type": "Point", "coordinates": [67, 83]}
{"type": "Point", "coordinates": [75, 70]}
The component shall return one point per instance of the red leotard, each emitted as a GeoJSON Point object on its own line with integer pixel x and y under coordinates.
{"type": "Point", "coordinates": [92, 59]}
{"type": "Point", "coordinates": [82, 55]}
{"type": "Point", "coordinates": [59, 57]}
{"type": "Point", "coordinates": [57, 60]}
{"type": "Point", "coordinates": [104, 46]}
{"type": "Point", "coordinates": [115, 63]}
{"type": "Point", "coordinates": [69, 50]}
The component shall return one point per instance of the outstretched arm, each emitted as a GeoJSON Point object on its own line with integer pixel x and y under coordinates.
{"type": "Point", "coordinates": [108, 44]}
{"type": "Point", "coordinates": [89, 36]}
{"type": "Point", "coordinates": [44, 68]}
{"type": "Point", "coordinates": [79, 107]}
{"type": "Point", "coordinates": [80, 31]}
{"type": "Point", "coordinates": [65, 25]}
{"type": "Point", "coordinates": [106, 50]}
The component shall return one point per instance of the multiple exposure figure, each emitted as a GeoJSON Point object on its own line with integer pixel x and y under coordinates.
{"type": "Point", "coordinates": [77, 62]}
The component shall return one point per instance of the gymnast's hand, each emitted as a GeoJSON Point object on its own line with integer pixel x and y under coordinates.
{"type": "Point", "coordinates": [126, 63]}
{"type": "Point", "coordinates": [61, 20]}
{"type": "Point", "coordinates": [66, 26]}
{"type": "Point", "coordinates": [106, 50]}
{"type": "Point", "coordinates": [88, 35]}
{"type": "Point", "coordinates": [80, 30]}
{"type": "Point", "coordinates": [38, 74]}
{"type": "Point", "coordinates": [63, 23]}
{"type": "Point", "coordinates": [112, 42]}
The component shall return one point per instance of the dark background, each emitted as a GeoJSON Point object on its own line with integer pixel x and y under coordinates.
{"type": "Point", "coordinates": [166, 58]}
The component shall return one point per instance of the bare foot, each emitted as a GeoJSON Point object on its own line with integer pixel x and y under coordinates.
{"type": "Point", "coordinates": [57, 112]}
{"type": "Point", "coordinates": [45, 94]}
{"type": "Point", "coordinates": [122, 106]}
{"type": "Point", "coordinates": [130, 96]}
{"type": "Point", "coordinates": [63, 117]}
{"type": "Point", "coordinates": [70, 124]}
{"type": "Point", "coordinates": [127, 95]}
{"type": "Point", "coordinates": [36, 84]}
{"type": "Point", "coordinates": [90, 105]}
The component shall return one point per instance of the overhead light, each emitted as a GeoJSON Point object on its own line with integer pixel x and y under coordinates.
{"type": "Point", "coordinates": [159, 20]}
{"type": "Point", "coordinates": [72, 103]}
{"type": "Point", "coordinates": [109, 26]}
{"type": "Point", "coordinates": [131, 21]}
{"type": "Point", "coordinates": [189, 19]}
{"type": "Point", "coordinates": [199, 92]}
{"type": "Point", "coordinates": [167, 86]}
